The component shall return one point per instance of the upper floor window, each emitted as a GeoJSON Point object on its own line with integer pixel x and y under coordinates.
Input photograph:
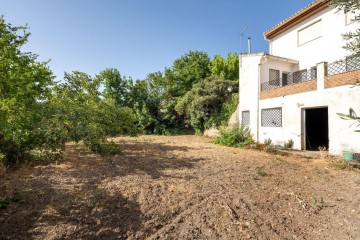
{"type": "Point", "coordinates": [310, 33]}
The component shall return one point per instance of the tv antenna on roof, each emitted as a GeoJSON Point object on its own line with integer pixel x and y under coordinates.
{"type": "Point", "coordinates": [241, 36]}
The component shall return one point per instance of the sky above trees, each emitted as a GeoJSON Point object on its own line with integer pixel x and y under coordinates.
{"type": "Point", "coordinates": [140, 36]}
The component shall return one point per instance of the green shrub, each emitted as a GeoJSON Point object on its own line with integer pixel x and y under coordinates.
{"type": "Point", "coordinates": [289, 144]}
{"type": "Point", "coordinates": [105, 148]}
{"type": "Point", "coordinates": [234, 137]}
{"type": "Point", "coordinates": [267, 142]}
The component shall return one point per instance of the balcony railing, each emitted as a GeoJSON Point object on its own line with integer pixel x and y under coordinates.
{"type": "Point", "coordinates": [290, 79]}
{"type": "Point", "coordinates": [341, 66]}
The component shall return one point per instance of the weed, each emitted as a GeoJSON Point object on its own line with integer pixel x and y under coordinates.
{"type": "Point", "coordinates": [4, 202]}
{"type": "Point", "coordinates": [267, 142]}
{"type": "Point", "coordinates": [94, 198]}
{"type": "Point", "coordinates": [289, 144]}
{"type": "Point", "coordinates": [260, 171]}
{"type": "Point", "coordinates": [16, 198]}
{"type": "Point", "coordinates": [340, 163]}
{"type": "Point", "coordinates": [234, 137]}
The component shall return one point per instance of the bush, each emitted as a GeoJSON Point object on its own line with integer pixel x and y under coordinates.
{"type": "Point", "coordinates": [267, 142]}
{"type": "Point", "coordinates": [234, 137]}
{"type": "Point", "coordinates": [105, 149]}
{"type": "Point", "coordinates": [289, 144]}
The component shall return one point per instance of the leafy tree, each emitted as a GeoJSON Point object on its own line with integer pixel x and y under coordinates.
{"type": "Point", "coordinates": [225, 68]}
{"type": "Point", "coordinates": [116, 86]}
{"type": "Point", "coordinates": [204, 103]}
{"type": "Point", "coordinates": [352, 38]}
{"type": "Point", "coordinates": [81, 113]}
{"type": "Point", "coordinates": [187, 70]}
{"type": "Point", "coordinates": [24, 92]}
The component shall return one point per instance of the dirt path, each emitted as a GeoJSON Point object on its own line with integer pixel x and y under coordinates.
{"type": "Point", "coordinates": [180, 187]}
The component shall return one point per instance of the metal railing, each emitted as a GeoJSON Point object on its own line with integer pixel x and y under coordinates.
{"type": "Point", "coordinates": [290, 79]}
{"type": "Point", "coordinates": [341, 66]}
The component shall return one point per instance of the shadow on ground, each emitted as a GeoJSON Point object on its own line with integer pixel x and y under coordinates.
{"type": "Point", "coordinates": [65, 200]}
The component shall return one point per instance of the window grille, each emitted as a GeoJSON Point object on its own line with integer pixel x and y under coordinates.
{"type": "Point", "coordinates": [274, 77]}
{"type": "Point", "coordinates": [245, 118]}
{"type": "Point", "coordinates": [271, 117]}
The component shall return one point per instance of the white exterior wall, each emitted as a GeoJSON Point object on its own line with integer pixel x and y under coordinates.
{"type": "Point", "coordinates": [249, 89]}
{"type": "Point", "coordinates": [328, 47]}
{"type": "Point", "coordinates": [338, 100]}
{"type": "Point", "coordinates": [254, 69]}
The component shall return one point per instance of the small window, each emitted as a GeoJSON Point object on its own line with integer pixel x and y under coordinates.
{"type": "Point", "coordinates": [274, 77]}
{"type": "Point", "coordinates": [309, 33]}
{"type": "Point", "coordinates": [245, 118]}
{"type": "Point", "coordinates": [271, 117]}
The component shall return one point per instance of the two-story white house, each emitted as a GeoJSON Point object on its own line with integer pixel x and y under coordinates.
{"type": "Point", "coordinates": [296, 91]}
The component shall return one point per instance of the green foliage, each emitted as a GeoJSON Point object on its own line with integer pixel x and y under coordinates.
{"type": "Point", "coordinates": [115, 86]}
{"type": "Point", "coordinates": [260, 171]}
{"type": "Point", "coordinates": [228, 107]}
{"type": "Point", "coordinates": [187, 70]}
{"type": "Point", "coordinates": [352, 38]}
{"type": "Point", "coordinates": [267, 142]}
{"type": "Point", "coordinates": [4, 202]}
{"type": "Point", "coordinates": [80, 113]}
{"type": "Point", "coordinates": [225, 68]}
{"type": "Point", "coordinates": [234, 137]}
{"type": "Point", "coordinates": [351, 116]}
{"type": "Point", "coordinates": [24, 91]}
{"type": "Point", "coordinates": [289, 144]}
{"type": "Point", "coordinates": [204, 104]}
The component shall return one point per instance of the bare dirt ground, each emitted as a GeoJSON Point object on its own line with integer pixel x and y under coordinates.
{"type": "Point", "coordinates": [180, 187]}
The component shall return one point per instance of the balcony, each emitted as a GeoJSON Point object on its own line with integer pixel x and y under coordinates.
{"type": "Point", "coordinates": [323, 76]}
{"type": "Point", "coordinates": [289, 79]}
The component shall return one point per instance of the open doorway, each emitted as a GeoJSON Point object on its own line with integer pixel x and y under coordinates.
{"type": "Point", "coordinates": [316, 128]}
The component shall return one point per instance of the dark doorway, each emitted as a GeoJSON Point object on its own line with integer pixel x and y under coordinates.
{"type": "Point", "coordinates": [316, 128]}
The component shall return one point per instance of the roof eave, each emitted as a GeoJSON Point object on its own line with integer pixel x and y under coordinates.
{"type": "Point", "coordinates": [297, 18]}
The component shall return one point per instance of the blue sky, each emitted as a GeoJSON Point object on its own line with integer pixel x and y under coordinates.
{"type": "Point", "coordinates": [140, 36]}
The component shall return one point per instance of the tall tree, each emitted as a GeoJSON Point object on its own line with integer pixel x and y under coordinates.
{"type": "Point", "coordinates": [187, 70]}
{"type": "Point", "coordinates": [24, 91]}
{"type": "Point", "coordinates": [225, 68]}
{"type": "Point", "coordinates": [115, 86]}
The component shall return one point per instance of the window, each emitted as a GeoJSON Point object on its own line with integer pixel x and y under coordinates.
{"type": "Point", "coordinates": [299, 76]}
{"type": "Point", "coordinates": [271, 117]}
{"type": "Point", "coordinates": [310, 33]}
{"type": "Point", "coordinates": [284, 79]}
{"type": "Point", "coordinates": [274, 77]}
{"type": "Point", "coordinates": [245, 118]}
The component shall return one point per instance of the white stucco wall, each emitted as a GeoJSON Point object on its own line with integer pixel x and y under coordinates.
{"type": "Point", "coordinates": [249, 88]}
{"type": "Point", "coordinates": [338, 100]}
{"type": "Point", "coordinates": [328, 47]}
